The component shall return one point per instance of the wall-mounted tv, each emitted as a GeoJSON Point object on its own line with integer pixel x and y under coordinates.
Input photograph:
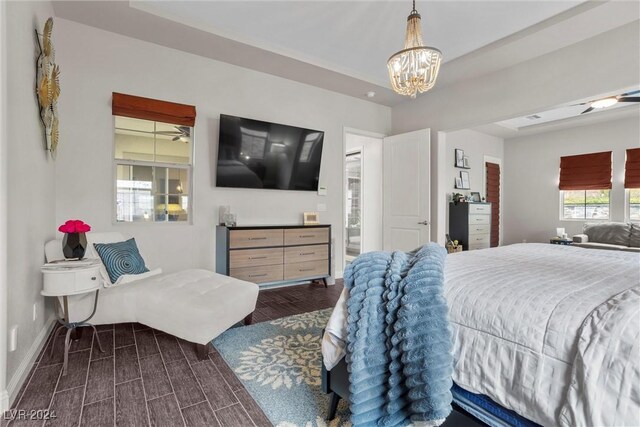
{"type": "Point", "coordinates": [256, 154]}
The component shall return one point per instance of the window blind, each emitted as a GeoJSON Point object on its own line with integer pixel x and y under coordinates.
{"type": "Point", "coordinates": [152, 109]}
{"type": "Point", "coordinates": [632, 169]}
{"type": "Point", "coordinates": [586, 172]}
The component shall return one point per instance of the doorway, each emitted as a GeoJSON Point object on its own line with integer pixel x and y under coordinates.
{"type": "Point", "coordinates": [353, 226]}
{"type": "Point", "coordinates": [362, 193]}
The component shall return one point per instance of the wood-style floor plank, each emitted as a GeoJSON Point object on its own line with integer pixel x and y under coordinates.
{"type": "Point", "coordinates": [100, 381]}
{"type": "Point", "coordinates": [185, 386]}
{"type": "Point", "coordinates": [98, 414]}
{"type": "Point", "coordinates": [164, 411]}
{"type": "Point", "coordinates": [131, 407]}
{"type": "Point", "coordinates": [215, 387]}
{"type": "Point", "coordinates": [156, 382]}
{"type": "Point", "coordinates": [127, 366]}
{"type": "Point", "coordinates": [200, 415]}
{"type": "Point", "coordinates": [66, 406]}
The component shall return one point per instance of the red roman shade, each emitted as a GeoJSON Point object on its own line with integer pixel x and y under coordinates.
{"type": "Point", "coordinates": [632, 169]}
{"type": "Point", "coordinates": [152, 109]}
{"type": "Point", "coordinates": [586, 172]}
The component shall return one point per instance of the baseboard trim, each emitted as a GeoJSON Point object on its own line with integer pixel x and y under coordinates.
{"type": "Point", "coordinates": [13, 387]}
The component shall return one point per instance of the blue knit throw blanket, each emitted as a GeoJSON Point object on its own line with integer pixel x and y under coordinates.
{"type": "Point", "coordinates": [399, 346]}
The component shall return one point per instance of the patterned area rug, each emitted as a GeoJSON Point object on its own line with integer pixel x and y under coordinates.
{"type": "Point", "coordinates": [279, 363]}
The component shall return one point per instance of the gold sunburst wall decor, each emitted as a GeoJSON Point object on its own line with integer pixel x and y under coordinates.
{"type": "Point", "coordinates": [48, 87]}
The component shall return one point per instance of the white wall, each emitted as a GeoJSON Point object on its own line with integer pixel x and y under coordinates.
{"type": "Point", "coordinates": [526, 88]}
{"type": "Point", "coordinates": [31, 185]}
{"type": "Point", "coordinates": [95, 63]}
{"type": "Point", "coordinates": [371, 222]}
{"type": "Point", "coordinates": [476, 146]}
{"type": "Point", "coordinates": [532, 201]}
{"type": "Point", "coordinates": [4, 396]}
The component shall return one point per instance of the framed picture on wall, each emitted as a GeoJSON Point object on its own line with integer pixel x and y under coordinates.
{"type": "Point", "coordinates": [458, 182]}
{"type": "Point", "coordinates": [464, 176]}
{"type": "Point", "coordinates": [459, 158]}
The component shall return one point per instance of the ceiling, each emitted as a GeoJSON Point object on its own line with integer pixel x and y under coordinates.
{"type": "Point", "coordinates": [562, 117]}
{"type": "Point", "coordinates": [357, 37]}
{"type": "Point", "coordinates": [343, 45]}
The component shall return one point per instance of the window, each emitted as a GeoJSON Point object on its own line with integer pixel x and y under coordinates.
{"type": "Point", "coordinates": [584, 204]}
{"type": "Point", "coordinates": [153, 169]}
{"type": "Point", "coordinates": [633, 198]}
{"type": "Point", "coordinates": [585, 182]}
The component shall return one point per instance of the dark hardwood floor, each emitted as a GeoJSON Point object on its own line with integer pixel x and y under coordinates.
{"type": "Point", "coordinates": [146, 377]}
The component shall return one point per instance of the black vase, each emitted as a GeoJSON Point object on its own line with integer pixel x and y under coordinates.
{"type": "Point", "coordinates": [74, 245]}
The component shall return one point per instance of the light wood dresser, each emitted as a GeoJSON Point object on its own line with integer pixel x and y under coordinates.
{"type": "Point", "coordinates": [470, 224]}
{"type": "Point", "coordinates": [274, 254]}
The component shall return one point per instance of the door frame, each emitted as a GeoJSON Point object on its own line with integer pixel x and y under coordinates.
{"type": "Point", "coordinates": [350, 131]}
{"type": "Point", "coordinates": [498, 161]}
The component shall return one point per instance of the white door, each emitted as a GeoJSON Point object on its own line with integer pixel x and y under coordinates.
{"type": "Point", "coordinates": [406, 190]}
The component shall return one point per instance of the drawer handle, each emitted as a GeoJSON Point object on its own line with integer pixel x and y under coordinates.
{"type": "Point", "coordinates": [257, 238]}
{"type": "Point", "coordinates": [306, 269]}
{"type": "Point", "coordinates": [307, 253]}
{"type": "Point", "coordinates": [257, 275]}
{"type": "Point", "coordinates": [93, 278]}
{"type": "Point", "coordinates": [479, 239]}
{"type": "Point", "coordinates": [257, 257]}
{"type": "Point", "coordinates": [306, 235]}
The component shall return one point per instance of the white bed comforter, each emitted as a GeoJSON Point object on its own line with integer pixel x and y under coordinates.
{"type": "Point", "coordinates": [537, 328]}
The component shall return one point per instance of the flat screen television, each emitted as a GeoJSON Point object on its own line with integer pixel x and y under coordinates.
{"type": "Point", "coordinates": [256, 154]}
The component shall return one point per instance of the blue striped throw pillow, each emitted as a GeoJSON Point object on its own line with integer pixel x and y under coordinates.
{"type": "Point", "coordinates": [121, 258]}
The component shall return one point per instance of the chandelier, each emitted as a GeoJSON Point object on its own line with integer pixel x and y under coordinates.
{"type": "Point", "coordinates": [414, 68]}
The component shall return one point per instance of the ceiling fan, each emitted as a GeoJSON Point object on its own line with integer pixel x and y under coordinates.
{"type": "Point", "coordinates": [611, 100]}
{"type": "Point", "coordinates": [182, 133]}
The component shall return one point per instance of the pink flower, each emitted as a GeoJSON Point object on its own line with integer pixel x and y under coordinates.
{"type": "Point", "coordinates": [74, 226]}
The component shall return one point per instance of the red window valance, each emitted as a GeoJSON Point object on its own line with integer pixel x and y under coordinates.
{"type": "Point", "coordinates": [586, 172]}
{"type": "Point", "coordinates": [632, 169]}
{"type": "Point", "coordinates": [152, 109]}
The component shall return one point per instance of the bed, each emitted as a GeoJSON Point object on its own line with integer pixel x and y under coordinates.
{"type": "Point", "coordinates": [549, 332]}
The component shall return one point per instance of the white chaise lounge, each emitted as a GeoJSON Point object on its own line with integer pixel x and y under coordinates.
{"type": "Point", "coordinates": [195, 305]}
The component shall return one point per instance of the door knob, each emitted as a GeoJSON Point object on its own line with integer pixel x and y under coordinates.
{"type": "Point", "coordinates": [424, 223]}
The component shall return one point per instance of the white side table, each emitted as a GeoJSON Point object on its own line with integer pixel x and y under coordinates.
{"type": "Point", "coordinates": [63, 279]}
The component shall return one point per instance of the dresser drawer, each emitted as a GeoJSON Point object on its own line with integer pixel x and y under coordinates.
{"type": "Point", "coordinates": [306, 253]}
{"type": "Point", "coordinates": [479, 209]}
{"type": "Point", "coordinates": [305, 236]}
{"type": "Point", "coordinates": [479, 245]}
{"type": "Point", "coordinates": [255, 257]}
{"type": "Point", "coordinates": [476, 239]}
{"type": "Point", "coordinates": [301, 270]}
{"type": "Point", "coordinates": [479, 219]}
{"type": "Point", "coordinates": [255, 238]}
{"type": "Point", "coordinates": [258, 274]}
{"type": "Point", "coordinates": [479, 229]}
